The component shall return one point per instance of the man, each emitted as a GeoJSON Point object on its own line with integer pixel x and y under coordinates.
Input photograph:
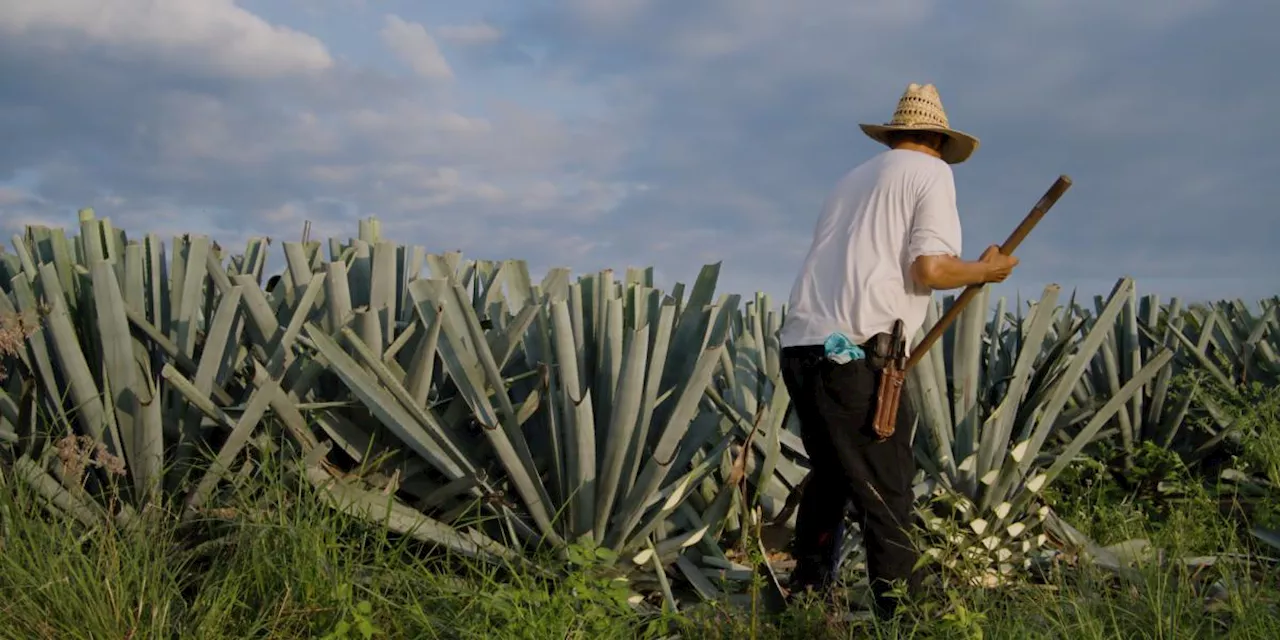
{"type": "Point", "coordinates": [888, 237]}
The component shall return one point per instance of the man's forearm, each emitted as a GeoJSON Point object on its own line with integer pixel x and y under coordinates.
{"type": "Point", "coordinates": [948, 272]}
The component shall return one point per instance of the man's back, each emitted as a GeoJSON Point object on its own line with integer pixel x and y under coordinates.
{"type": "Point", "coordinates": [856, 278]}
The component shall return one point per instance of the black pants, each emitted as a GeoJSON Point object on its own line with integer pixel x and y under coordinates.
{"type": "Point", "coordinates": [836, 404]}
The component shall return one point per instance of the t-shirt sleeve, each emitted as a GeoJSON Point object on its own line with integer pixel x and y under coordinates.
{"type": "Point", "coordinates": [935, 227]}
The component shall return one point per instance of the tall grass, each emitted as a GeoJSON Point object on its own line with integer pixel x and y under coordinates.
{"type": "Point", "coordinates": [273, 561]}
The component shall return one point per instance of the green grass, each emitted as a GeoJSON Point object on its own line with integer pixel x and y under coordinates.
{"type": "Point", "coordinates": [274, 562]}
{"type": "Point", "coordinates": [280, 565]}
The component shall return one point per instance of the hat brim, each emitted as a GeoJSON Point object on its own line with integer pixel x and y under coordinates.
{"type": "Point", "coordinates": [958, 147]}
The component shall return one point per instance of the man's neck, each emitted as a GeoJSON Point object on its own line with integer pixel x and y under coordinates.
{"type": "Point", "coordinates": [915, 146]}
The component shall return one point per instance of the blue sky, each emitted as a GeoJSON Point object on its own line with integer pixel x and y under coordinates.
{"type": "Point", "coordinates": [672, 133]}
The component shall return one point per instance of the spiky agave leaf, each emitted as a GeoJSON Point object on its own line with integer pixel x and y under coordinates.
{"type": "Point", "coordinates": [1232, 344]}
{"type": "Point", "coordinates": [1136, 337]}
{"type": "Point", "coordinates": [993, 491]}
{"type": "Point", "coordinates": [1224, 341]}
{"type": "Point", "coordinates": [600, 408]}
{"type": "Point", "coordinates": [749, 390]}
{"type": "Point", "coordinates": [614, 392]}
{"type": "Point", "coordinates": [129, 348]}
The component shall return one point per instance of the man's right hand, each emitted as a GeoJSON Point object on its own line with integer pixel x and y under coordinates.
{"type": "Point", "coordinates": [998, 265]}
{"type": "Point", "coordinates": [940, 272]}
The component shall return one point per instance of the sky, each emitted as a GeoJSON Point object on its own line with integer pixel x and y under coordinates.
{"type": "Point", "coordinates": [597, 134]}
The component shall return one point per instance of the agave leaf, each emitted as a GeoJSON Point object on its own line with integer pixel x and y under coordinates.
{"type": "Point", "coordinates": [97, 422]}
{"type": "Point", "coordinates": [369, 230]}
{"type": "Point", "coordinates": [1130, 364]}
{"type": "Point", "coordinates": [382, 292]}
{"type": "Point", "coordinates": [86, 511]}
{"type": "Point", "coordinates": [261, 322]}
{"type": "Point", "coordinates": [623, 416]}
{"type": "Point", "coordinates": [24, 258]}
{"type": "Point", "coordinates": [297, 267]}
{"type": "Point", "coordinates": [926, 387]}
{"type": "Point", "coordinates": [1251, 344]}
{"type": "Point", "coordinates": [140, 435]}
{"type": "Point", "coordinates": [609, 349]}
{"type": "Point", "coordinates": [1114, 405]}
{"type": "Point", "coordinates": [657, 356]}
{"type": "Point", "coordinates": [93, 244]}
{"type": "Point", "coordinates": [398, 517]}
{"type": "Point", "coordinates": [968, 369]}
{"type": "Point", "coordinates": [1113, 374]}
{"type": "Point", "coordinates": [1205, 363]}
{"type": "Point", "coordinates": [1224, 336]}
{"type": "Point", "coordinates": [1016, 467]}
{"type": "Point", "coordinates": [664, 453]}
{"type": "Point", "coordinates": [422, 366]}
{"type": "Point", "coordinates": [691, 328]}
{"type": "Point", "coordinates": [64, 261]}
{"type": "Point", "coordinates": [471, 365]}
{"type": "Point", "coordinates": [1160, 391]}
{"type": "Point", "coordinates": [1079, 360]}
{"type": "Point", "coordinates": [578, 422]}
{"type": "Point", "coordinates": [188, 290]}
{"type": "Point", "coordinates": [232, 447]}
{"type": "Point", "coordinates": [1269, 536]}
{"type": "Point", "coordinates": [999, 426]}
{"type": "Point", "coordinates": [426, 438]}
{"type": "Point", "coordinates": [42, 362]}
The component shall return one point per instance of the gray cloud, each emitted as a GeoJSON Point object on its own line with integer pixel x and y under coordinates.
{"type": "Point", "coordinates": [160, 148]}
{"type": "Point", "coordinates": [1159, 111]}
{"type": "Point", "coordinates": [411, 42]}
{"type": "Point", "coordinates": [475, 33]}
{"type": "Point", "coordinates": [200, 36]}
{"type": "Point", "coordinates": [663, 132]}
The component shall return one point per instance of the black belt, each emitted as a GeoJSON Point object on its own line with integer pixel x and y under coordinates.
{"type": "Point", "coordinates": [805, 349]}
{"type": "Point", "coordinates": [818, 351]}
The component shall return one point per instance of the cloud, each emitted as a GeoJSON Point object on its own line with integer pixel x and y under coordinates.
{"type": "Point", "coordinates": [596, 134]}
{"type": "Point", "coordinates": [749, 113]}
{"type": "Point", "coordinates": [11, 196]}
{"type": "Point", "coordinates": [470, 34]}
{"type": "Point", "coordinates": [159, 149]}
{"type": "Point", "coordinates": [209, 36]}
{"type": "Point", "coordinates": [411, 42]}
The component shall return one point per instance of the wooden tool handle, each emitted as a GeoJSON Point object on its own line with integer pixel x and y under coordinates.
{"type": "Point", "coordinates": [1028, 223]}
{"type": "Point", "coordinates": [1019, 234]}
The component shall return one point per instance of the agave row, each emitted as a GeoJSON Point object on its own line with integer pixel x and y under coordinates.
{"type": "Point", "coordinates": [474, 408]}
{"type": "Point", "coordinates": [499, 414]}
{"type": "Point", "coordinates": [1004, 405]}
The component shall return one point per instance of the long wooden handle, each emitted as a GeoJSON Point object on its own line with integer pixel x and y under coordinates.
{"type": "Point", "coordinates": [1019, 234]}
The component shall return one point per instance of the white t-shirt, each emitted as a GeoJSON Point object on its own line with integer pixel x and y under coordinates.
{"type": "Point", "coordinates": [856, 279]}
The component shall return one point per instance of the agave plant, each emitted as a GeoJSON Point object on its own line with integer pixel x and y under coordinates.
{"type": "Point", "coordinates": [1233, 353]}
{"type": "Point", "coordinates": [1233, 344]}
{"type": "Point", "coordinates": [1143, 330]}
{"type": "Point", "coordinates": [1226, 351]}
{"type": "Point", "coordinates": [459, 402]}
{"type": "Point", "coordinates": [1000, 414]}
{"type": "Point", "coordinates": [560, 413]}
{"type": "Point", "coordinates": [120, 436]}
{"type": "Point", "coordinates": [589, 442]}
{"type": "Point", "coordinates": [750, 392]}
{"type": "Point", "coordinates": [986, 436]}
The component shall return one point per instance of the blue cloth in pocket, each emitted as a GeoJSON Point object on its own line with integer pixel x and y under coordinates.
{"type": "Point", "coordinates": [840, 349]}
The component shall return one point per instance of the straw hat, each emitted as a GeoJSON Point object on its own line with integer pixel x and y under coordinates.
{"type": "Point", "coordinates": [920, 109]}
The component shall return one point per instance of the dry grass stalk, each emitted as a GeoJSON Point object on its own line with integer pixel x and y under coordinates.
{"type": "Point", "coordinates": [79, 452]}
{"type": "Point", "coordinates": [14, 331]}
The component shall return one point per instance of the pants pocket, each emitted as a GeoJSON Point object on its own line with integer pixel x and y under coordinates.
{"type": "Point", "coordinates": [850, 388]}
